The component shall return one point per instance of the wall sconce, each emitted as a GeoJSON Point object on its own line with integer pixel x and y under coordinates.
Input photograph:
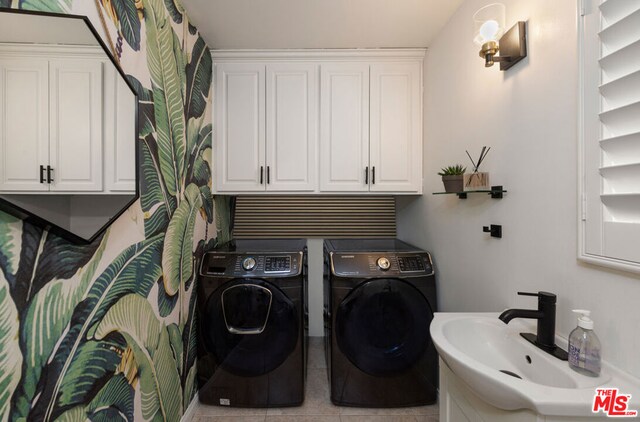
{"type": "Point", "coordinates": [488, 25]}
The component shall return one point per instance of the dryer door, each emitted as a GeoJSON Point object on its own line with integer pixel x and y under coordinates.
{"type": "Point", "coordinates": [382, 326]}
{"type": "Point", "coordinates": [250, 326]}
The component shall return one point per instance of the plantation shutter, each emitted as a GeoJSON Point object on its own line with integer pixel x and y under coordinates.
{"type": "Point", "coordinates": [610, 228]}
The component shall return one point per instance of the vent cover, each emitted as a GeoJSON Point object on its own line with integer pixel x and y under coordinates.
{"type": "Point", "coordinates": [314, 216]}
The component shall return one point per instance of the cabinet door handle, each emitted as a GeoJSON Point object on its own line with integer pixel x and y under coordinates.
{"type": "Point", "coordinates": [42, 177]}
{"type": "Point", "coordinates": [49, 172]}
{"type": "Point", "coordinates": [366, 175]}
{"type": "Point", "coordinates": [268, 174]}
{"type": "Point", "coordinates": [373, 175]}
{"type": "Point", "coordinates": [261, 175]}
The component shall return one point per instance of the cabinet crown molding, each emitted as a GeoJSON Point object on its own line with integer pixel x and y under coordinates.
{"type": "Point", "coordinates": [356, 54]}
{"type": "Point", "coordinates": [52, 51]}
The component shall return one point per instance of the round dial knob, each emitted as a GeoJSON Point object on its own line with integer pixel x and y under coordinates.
{"type": "Point", "coordinates": [248, 264]}
{"type": "Point", "coordinates": [384, 263]}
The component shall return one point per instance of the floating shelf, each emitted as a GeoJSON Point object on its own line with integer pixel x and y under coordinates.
{"type": "Point", "coordinates": [496, 192]}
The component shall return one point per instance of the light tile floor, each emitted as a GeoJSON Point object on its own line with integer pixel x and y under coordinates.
{"type": "Point", "coordinates": [317, 406]}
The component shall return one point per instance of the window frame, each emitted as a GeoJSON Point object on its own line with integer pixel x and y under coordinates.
{"type": "Point", "coordinates": [588, 9]}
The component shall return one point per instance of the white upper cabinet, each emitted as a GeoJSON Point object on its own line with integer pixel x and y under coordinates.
{"type": "Point", "coordinates": [120, 134]}
{"type": "Point", "coordinates": [67, 123]}
{"type": "Point", "coordinates": [240, 127]}
{"type": "Point", "coordinates": [326, 121]}
{"type": "Point", "coordinates": [75, 125]}
{"type": "Point", "coordinates": [344, 128]}
{"type": "Point", "coordinates": [396, 127]}
{"type": "Point", "coordinates": [292, 108]}
{"type": "Point", "coordinates": [24, 124]}
{"type": "Point", "coordinates": [266, 137]}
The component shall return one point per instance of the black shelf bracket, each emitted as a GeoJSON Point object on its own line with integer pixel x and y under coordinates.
{"type": "Point", "coordinates": [496, 192]}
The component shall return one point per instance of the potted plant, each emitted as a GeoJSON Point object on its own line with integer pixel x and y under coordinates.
{"type": "Point", "coordinates": [453, 178]}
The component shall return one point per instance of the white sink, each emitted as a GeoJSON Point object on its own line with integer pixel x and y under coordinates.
{"type": "Point", "coordinates": [478, 347]}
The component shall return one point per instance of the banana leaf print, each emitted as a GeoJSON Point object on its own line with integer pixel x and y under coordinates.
{"type": "Point", "coordinates": [125, 17]}
{"type": "Point", "coordinates": [134, 318]}
{"type": "Point", "coordinates": [176, 10]}
{"type": "Point", "coordinates": [47, 316]}
{"type": "Point", "coordinates": [189, 346]}
{"type": "Point", "coordinates": [10, 242]}
{"type": "Point", "coordinates": [166, 302]}
{"type": "Point", "coordinates": [114, 402]}
{"type": "Point", "coordinates": [164, 58]}
{"type": "Point", "coordinates": [95, 362]}
{"type": "Point", "coordinates": [134, 271]}
{"type": "Point", "coordinates": [198, 79]}
{"type": "Point", "coordinates": [54, 6]}
{"type": "Point", "coordinates": [157, 204]}
{"type": "Point", "coordinates": [223, 212]}
{"type": "Point", "coordinates": [82, 337]}
{"type": "Point", "coordinates": [207, 202]}
{"type": "Point", "coordinates": [175, 341]}
{"type": "Point", "coordinates": [77, 414]}
{"type": "Point", "coordinates": [10, 355]}
{"type": "Point", "coordinates": [177, 257]}
{"type": "Point", "coordinates": [43, 257]}
{"type": "Point", "coordinates": [199, 147]}
{"type": "Point", "coordinates": [198, 166]}
{"type": "Point", "coordinates": [146, 116]}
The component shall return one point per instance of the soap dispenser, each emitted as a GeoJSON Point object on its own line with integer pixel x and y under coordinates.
{"type": "Point", "coordinates": [584, 346]}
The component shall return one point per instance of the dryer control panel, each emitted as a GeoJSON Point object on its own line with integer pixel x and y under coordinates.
{"type": "Point", "coordinates": [378, 264]}
{"type": "Point", "coordinates": [248, 265]}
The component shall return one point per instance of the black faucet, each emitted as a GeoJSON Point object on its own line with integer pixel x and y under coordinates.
{"type": "Point", "coordinates": [546, 316]}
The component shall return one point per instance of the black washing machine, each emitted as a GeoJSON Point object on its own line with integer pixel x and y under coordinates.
{"type": "Point", "coordinates": [379, 300]}
{"type": "Point", "coordinates": [252, 302]}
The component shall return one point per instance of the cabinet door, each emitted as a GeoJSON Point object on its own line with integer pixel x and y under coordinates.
{"type": "Point", "coordinates": [396, 127]}
{"type": "Point", "coordinates": [291, 126]}
{"type": "Point", "coordinates": [24, 123]}
{"type": "Point", "coordinates": [344, 127]}
{"type": "Point", "coordinates": [120, 134]}
{"type": "Point", "coordinates": [239, 127]}
{"type": "Point", "coordinates": [76, 125]}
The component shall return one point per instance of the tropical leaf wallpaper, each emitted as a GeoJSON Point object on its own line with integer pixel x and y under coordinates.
{"type": "Point", "coordinates": [106, 332]}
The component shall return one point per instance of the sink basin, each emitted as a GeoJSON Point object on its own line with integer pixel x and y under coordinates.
{"type": "Point", "coordinates": [510, 373]}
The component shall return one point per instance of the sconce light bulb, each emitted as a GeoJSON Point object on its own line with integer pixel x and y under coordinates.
{"type": "Point", "coordinates": [489, 30]}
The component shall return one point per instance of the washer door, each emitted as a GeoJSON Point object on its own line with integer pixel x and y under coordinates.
{"type": "Point", "coordinates": [382, 326]}
{"type": "Point", "coordinates": [250, 326]}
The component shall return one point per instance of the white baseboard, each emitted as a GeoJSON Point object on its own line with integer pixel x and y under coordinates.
{"type": "Point", "coordinates": [191, 410]}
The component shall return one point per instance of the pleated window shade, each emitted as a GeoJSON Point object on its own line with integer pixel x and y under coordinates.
{"type": "Point", "coordinates": [611, 132]}
{"type": "Point", "coordinates": [314, 216]}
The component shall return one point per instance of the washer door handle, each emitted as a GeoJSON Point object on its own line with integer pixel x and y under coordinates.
{"type": "Point", "coordinates": [246, 331]}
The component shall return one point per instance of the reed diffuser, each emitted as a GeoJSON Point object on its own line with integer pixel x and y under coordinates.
{"type": "Point", "coordinates": [477, 180]}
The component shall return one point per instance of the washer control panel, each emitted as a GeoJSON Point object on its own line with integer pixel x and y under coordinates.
{"type": "Point", "coordinates": [381, 263]}
{"type": "Point", "coordinates": [251, 264]}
